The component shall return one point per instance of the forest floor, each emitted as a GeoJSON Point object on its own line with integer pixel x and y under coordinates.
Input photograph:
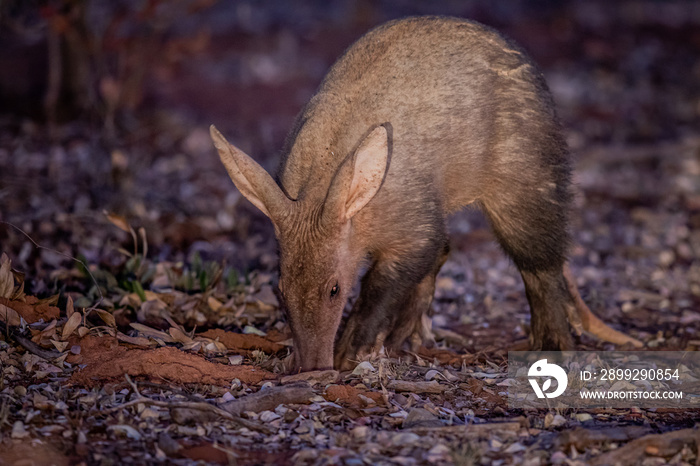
{"type": "Point", "coordinates": [139, 323]}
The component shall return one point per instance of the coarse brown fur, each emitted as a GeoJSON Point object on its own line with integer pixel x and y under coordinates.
{"type": "Point", "coordinates": [419, 118]}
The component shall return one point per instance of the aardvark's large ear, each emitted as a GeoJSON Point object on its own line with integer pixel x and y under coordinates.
{"type": "Point", "coordinates": [360, 176]}
{"type": "Point", "coordinates": [251, 179]}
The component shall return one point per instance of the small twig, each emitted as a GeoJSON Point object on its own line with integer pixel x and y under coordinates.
{"type": "Point", "coordinates": [28, 344]}
{"type": "Point", "coordinates": [33, 348]}
{"type": "Point", "coordinates": [133, 386]}
{"type": "Point", "coordinates": [68, 256]}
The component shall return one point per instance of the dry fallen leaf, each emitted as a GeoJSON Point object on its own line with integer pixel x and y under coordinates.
{"type": "Point", "coordinates": [118, 221]}
{"type": "Point", "coordinates": [71, 325]}
{"type": "Point", "coordinates": [137, 341]}
{"type": "Point", "coordinates": [179, 336]}
{"type": "Point", "coordinates": [7, 280]}
{"type": "Point", "coordinates": [9, 316]}
{"type": "Point", "coordinates": [106, 317]}
{"type": "Point", "coordinates": [134, 300]}
{"type": "Point", "coordinates": [70, 309]}
{"type": "Point", "coordinates": [151, 332]}
{"type": "Point", "coordinates": [60, 345]}
{"type": "Point", "coordinates": [214, 303]}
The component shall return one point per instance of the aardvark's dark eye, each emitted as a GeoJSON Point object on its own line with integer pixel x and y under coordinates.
{"type": "Point", "coordinates": [334, 290]}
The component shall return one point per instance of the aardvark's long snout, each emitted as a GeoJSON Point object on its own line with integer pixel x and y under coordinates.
{"type": "Point", "coordinates": [312, 354]}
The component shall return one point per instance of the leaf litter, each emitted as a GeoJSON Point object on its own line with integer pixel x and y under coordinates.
{"type": "Point", "coordinates": [148, 348]}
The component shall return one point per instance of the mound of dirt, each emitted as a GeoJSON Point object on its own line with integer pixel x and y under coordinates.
{"type": "Point", "coordinates": [107, 361]}
{"type": "Point", "coordinates": [31, 309]}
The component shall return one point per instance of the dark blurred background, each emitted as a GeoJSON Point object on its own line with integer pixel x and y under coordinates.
{"type": "Point", "coordinates": [106, 105]}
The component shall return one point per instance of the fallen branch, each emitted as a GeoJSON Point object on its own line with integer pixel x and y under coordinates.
{"type": "Point", "coordinates": [581, 438]}
{"type": "Point", "coordinates": [200, 406]}
{"type": "Point", "coordinates": [653, 445]}
{"type": "Point", "coordinates": [269, 399]}
{"type": "Point", "coordinates": [28, 344]}
{"type": "Point", "coordinates": [191, 405]}
{"type": "Point", "coordinates": [33, 348]}
{"type": "Point", "coordinates": [416, 387]}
